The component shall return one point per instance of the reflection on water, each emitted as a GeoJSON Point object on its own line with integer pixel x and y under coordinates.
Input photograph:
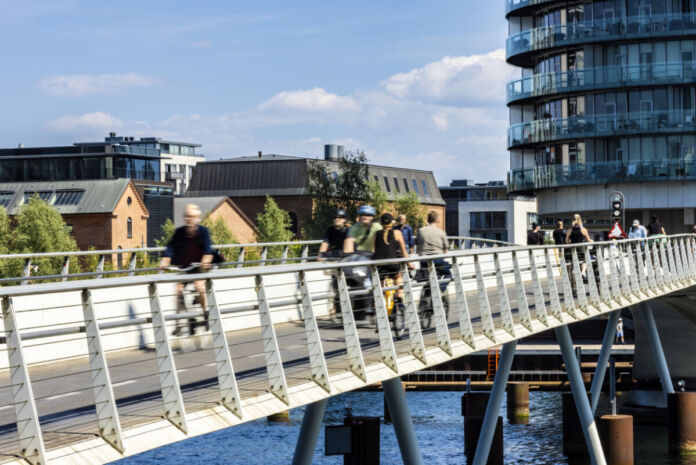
{"type": "Point", "coordinates": [439, 427]}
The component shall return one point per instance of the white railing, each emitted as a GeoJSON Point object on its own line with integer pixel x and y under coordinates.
{"type": "Point", "coordinates": [281, 337]}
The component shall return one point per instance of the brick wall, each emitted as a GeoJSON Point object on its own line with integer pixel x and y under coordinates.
{"type": "Point", "coordinates": [136, 211]}
{"type": "Point", "coordinates": [91, 230]}
{"type": "Point", "coordinates": [242, 228]}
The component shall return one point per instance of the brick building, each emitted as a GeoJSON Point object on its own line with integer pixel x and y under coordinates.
{"type": "Point", "coordinates": [248, 180]}
{"type": "Point", "coordinates": [240, 224]}
{"type": "Point", "coordinates": [103, 214]}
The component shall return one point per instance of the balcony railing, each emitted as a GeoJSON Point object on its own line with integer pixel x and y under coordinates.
{"type": "Point", "coordinates": [587, 126]}
{"type": "Point", "coordinates": [512, 5]}
{"type": "Point", "coordinates": [550, 176]}
{"type": "Point", "coordinates": [600, 78]}
{"type": "Point", "coordinates": [599, 30]}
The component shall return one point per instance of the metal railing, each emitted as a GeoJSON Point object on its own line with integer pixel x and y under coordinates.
{"type": "Point", "coordinates": [124, 262]}
{"type": "Point", "coordinates": [283, 336]}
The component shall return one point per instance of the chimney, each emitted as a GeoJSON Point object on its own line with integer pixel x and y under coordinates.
{"type": "Point", "coordinates": [260, 153]}
{"type": "Point", "coordinates": [331, 152]}
{"type": "Point", "coordinates": [112, 134]}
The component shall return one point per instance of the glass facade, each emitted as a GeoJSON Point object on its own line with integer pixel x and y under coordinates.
{"type": "Point", "coordinates": [607, 93]}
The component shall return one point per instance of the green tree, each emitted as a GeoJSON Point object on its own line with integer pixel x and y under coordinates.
{"type": "Point", "coordinates": [274, 226]}
{"type": "Point", "coordinates": [377, 197]}
{"type": "Point", "coordinates": [347, 190]}
{"type": "Point", "coordinates": [220, 233]}
{"type": "Point", "coordinates": [410, 206]}
{"type": "Point", "coordinates": [5, 232]}
{"type": "Point", "coordinates": [39, 228]}
{"type": "Point", "coordinates": [167, 230]}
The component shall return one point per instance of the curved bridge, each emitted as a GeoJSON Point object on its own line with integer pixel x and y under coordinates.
{"type": "Point", "coordinates": [93, 372]}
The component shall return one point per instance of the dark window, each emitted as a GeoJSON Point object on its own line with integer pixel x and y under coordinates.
{"type": "Point", "coordinates": [62, 169]}
{"type": "Point", "coordinates": [92, 168]}
{"type": "Point", "coordinates": [45, 195]}
{"type": "Point", "coordinates": [129, 201]}
{"type": "Point", "coordinates": [396, 185]}
{"type": "Point", "coordinates": [68, 197]}
{"type": "Point", "coordinates": [293, 222]}
{"type": "Point", "coordinates": [406, 185]}
{"type": "Point", "coordinates": [487, 220]}
{"type": "Point", "coordinates": [39, 169]}
{"type": "Point", "coordinates": [415, 186]}
{"type": "Point", "coordinates": [376, 179]}
{"type": "Point", "coordinates": [129, 228]}
{"type": "Point", "coordinates": [425, 187]}
{"type": "Point", "coordinates": [6, 198]}
{"type": "Point", "coordinates": [386, 184]}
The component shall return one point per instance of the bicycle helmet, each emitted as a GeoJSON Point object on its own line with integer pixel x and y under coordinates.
{"type": "Point", "coordinates": [367, 210]}
{"type": "Point", "coordinates": [339, 213]}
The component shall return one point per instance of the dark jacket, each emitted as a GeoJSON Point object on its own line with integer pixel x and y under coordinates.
{"type": "Point", "coordinates": [407, 232]}
{"type": "Point", "coordinates": [176, 245]}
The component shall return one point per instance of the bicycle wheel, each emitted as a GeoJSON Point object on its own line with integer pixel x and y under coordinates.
{"type": "Point", "coordinates": [398, 321]}
{"type": "Point", "coordinates": [425, 309]}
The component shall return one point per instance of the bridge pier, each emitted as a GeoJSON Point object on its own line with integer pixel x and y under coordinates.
{"type": "Point", "coordinates": [401, 419]}
{"type": "Point", "coordinates": [309, 432]}
{"type": "Point", "coordinates": [495, 400]}
{"type": "Point", "coordinates": [603, 359]}
{"type": "Point", "coordinates": [594, 446]}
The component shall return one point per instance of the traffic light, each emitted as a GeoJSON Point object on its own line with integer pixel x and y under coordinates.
{"type": "Point", "coordinates": [616, 209]}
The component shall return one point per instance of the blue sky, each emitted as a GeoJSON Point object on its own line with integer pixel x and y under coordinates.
{"type": "Point", "coordinates": [416, 84]}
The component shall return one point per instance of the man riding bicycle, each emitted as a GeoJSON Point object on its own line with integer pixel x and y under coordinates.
{"type": "Point", "coordinates": [432, 240]}
{"type": "Point", "coordinates": [335, 235]}
{"type": "Point", "coordinates": [189, 245]}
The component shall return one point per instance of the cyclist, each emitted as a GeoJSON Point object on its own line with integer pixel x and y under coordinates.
{"type": "Point", "coordinates": [335, 235]}
{"type": "Point", "coordinates": [389, 243]}
{"type": "Point", "coordinates": [361, 233]}
{"type": "Point", "coordinates": [190, 244]}
{"type": "Point", "coordinates": [432, 240]}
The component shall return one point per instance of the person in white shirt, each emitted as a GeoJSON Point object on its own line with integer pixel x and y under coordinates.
{"type": "Point", "coordinates": [620, 331]}
{"type": "Point", "coordinates": [637, 231]}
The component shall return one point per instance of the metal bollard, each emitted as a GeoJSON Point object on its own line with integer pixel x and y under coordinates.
{"type": "Point", "coordinates": [473, 410]}
{"type": "Point", "coordinates": [681, 418]}
{"type": "Point", "coordinates": [616, 433]}
{"type": "Point", "coordinates": [518, 403]}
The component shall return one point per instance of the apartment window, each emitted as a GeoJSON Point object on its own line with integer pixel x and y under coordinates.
{"type": "Point", "coordinates": [68, 197]}
{"type": "Point", "coordinates": [129, 228]}
{"type": "Point", "coordinates": [396, 185]}
{"type": "Point", "coordinates": [487, 220]}
{"type": "Point", "coordinates": [425, 187]}
{"type": "Point", "coordinates": [6, 198]}
{"type": "Point", "coordinates": [406, 185]}
{"type": "Point", "coordinates": [376, 179]}
{"type": "Point", "coordinates": [45, 196]}
{"type": "Point", "coordinates": [386, 184]}
{"type": "Point", "coordinates": [415, 186]}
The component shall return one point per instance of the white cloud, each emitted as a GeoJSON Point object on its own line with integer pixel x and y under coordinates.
{"type": "Point", "coordinates": [80, 85]}
{"type": "Point", "coordinates": [455, 80]}
{"type": "Point", "coordinates": [312, 100]}
{"type": "Point", "coordinates": [201, 44]}
{"type": "Point", "coordinates": [89, 123]}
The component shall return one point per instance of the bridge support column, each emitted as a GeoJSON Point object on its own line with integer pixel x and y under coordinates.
{"type": "Point", "coordinates": [582, 404]}
{"type": "Point", "coordinates": [311, 425]}
{"type": "Point", "coordinates": [401, 419]}
{"type": "Point", "coordinates": [656, 348]}
{"type": "Point", "coordinates": [490, 420]}
{"type": "Point", "coordinates": [603, 359]}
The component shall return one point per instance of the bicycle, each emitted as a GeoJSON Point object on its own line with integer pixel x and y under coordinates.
{"type": "Point", "coordinates": [425, 306]}
{"type": "Point", "coordinates": [395, 310]}
{"type": "Point", "coordinates": [182, 306]}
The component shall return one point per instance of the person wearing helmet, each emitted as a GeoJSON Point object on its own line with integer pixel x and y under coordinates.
{"type": "Point", "coordinates": [361, 233]}
{"type": "Point", "coordinates": [335, 235]}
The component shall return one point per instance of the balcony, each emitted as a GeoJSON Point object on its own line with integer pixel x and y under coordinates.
{"type": "Point", "coordinates": [519, 47]}
{"type": "Point", "coordinates": [550, 176]}
{"type": "Point", "coordinates": [522, 7]}
{"type": "Point", "coordinates": [588, 126]}
{"type": "Point", "coordinates": [651, 74]}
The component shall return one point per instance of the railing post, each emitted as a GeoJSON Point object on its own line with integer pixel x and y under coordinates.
{"type": "Point", "coordinates": [623, 272]}
{"type": "Point", "coordinates": [415, 335]}
{"type": "Point", "coordinates": [616, 290]}
{"type": "Point", "coordinates": [227, 381]}
{"type": "Point", "coordinates": [28, 427]}
{"type": "Point", "coordinates": [604, 290]}
{"type": "Point", "coordinates": [441, 327]}
{"type": "Point", "coordinates": [667, 271]}
{"type": "Point", "coordinates": [172, 400]}
{"type": "Point", "coordinates": [591, 282]}
{"type": "Point", "coordinates": [539, 301]}
{"type": "Point", "coordinates": [674, 265]}
{"type": "Point", "coordinates": [100, 266]}
{"type": "Point", "coordinates": [503, 300]}
{"type": "Point", "coordinates": [240, 257]}
{"type": "Point", "coordinates": [317, 361]}
{"type": "Point", "coordinates": [386, 343]}
{"type": "Point", "coordinates": [642, 276]}
{"type": "Point", "coordinates": [686, 265]}
{"type": "Point", "coordinates": [467, 330]}
{"type": "Point", "coordinates": [522, 305]}
{"type": "Point", "coordinates": [264, 255]}
{"type": "Point", "coordinates": [274, 363]}
{"type": "Point", "coordinates": [26, 273]}
{"type": "Point", "coordinates": [484, 307]}
{"type": "Point", "coordinates": [649, 268]}
{"type": "Point", "coordinates": [568, 302]}
{"type": "Point", "coordinates": [305, 253]}
{"type": "Point", "coordinates": [353, 348]}
{"type": "Point", "coordinates": [104, 401]}
{"type": "Point", "coordinates": [555, 301]}
{"type": "Point", "coordinates": [678, 260]}
{"type": "Point", "coordinates": [633, 276]}
{"type": "Point", "coordinates": [65, 270]}
{"type": "Point", "coordinates": [579, 283]}
{"type": "Point", "coordinates": [284, 258]}
{"type": "Point", "coordinates": [133, 262]}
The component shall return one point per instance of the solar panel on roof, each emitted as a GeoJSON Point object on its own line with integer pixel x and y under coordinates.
{"type": "Point", "coordinates": [68, 197]}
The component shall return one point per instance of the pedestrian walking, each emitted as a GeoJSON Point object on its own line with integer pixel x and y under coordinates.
{"type": "Point", "coordinates": [637, 231]}
{"type": "Point", "coordinates": [535, 237]}
{"type": "Point", "coordinates": [655, 227]}
{"type": "Point", "coordinates": [577, 234]}
{"type": "Point", "coordinates": [406, 232]}
{"type": "Point", "coordinates": [620, 331]}
{"type": "Point", "coordinates": [559, 234]}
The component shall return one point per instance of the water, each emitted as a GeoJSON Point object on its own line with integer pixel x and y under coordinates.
{"type": "Point", "coordinates": [439, 428]}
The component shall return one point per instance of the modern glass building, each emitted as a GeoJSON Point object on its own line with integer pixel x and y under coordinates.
{"type": "Point", "coordinates": [605, 101]}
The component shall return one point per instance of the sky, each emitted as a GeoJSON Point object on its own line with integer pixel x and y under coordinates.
{"type": "Point", "coordinates": [411, 83]}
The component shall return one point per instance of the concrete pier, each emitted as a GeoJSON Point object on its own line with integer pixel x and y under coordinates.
{"type": "Point", "coordinates": [518, 403]}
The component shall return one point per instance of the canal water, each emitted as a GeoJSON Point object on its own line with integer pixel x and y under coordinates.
{"type": "Point", "coordinates": [439, 428]}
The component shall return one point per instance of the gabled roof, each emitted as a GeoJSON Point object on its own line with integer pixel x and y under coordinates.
{"type": "Point", "coordinates": [97, 196]}
{"type": "Point", "coordinates": [207, 205]}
